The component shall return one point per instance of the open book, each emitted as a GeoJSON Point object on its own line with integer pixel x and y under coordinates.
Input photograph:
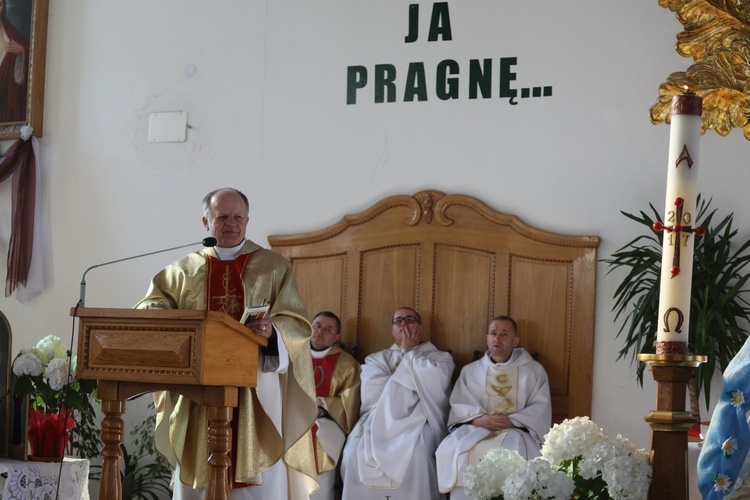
{"type": "Point", "coordinates": [254, 312]}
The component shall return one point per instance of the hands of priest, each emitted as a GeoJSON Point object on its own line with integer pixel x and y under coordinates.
{"type": "Point", "coordinates": [493, 422]}
{"type": "Point", "coordinates": [157, 305]}
{"type": "Point", "coordinates": [262, 326]}
{"type": "Point", "coordinates": [412, 335]}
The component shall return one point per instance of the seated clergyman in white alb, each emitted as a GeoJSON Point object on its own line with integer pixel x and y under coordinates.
{"type": "Point", "coordinates": [499, 401]}
{"type": "Point", "coordinates": [390, 453]}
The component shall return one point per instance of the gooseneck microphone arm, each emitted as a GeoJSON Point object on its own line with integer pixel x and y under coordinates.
{"type": "Point", "coordinates": [206, 242]}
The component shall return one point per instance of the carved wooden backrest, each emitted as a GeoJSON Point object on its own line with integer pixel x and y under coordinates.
{"type": "Point", "coordinates": [458, 263]}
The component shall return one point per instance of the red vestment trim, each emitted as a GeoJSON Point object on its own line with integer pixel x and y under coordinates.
{"type": "Point", "coordinates": [322, 372]}
{"type": "Point", "coordinates": [225, 284]}
{"type": "Point", "coordinates": [225, 291]}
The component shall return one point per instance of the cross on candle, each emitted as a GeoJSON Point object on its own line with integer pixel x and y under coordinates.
{"type": "Point", "coordinates": [678, 229]}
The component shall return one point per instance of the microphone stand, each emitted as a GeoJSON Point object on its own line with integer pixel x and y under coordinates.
{"type": "Point", "coordinates": [207, 242]}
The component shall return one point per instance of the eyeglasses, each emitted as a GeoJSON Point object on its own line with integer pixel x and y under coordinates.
{"type": "Point", "coordinates": [408, 320]}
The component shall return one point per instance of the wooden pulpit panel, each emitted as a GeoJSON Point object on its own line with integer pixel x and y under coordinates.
{"type": "Point", "coordinates": [458, 262]}
{"type": "Point", "coordinates": [203, 355]}
{"type": "Point", "coordinates": [166, 346]}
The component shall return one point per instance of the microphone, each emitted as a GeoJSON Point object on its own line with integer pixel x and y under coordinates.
{"type": "Point", "coordinates": [206, 242]}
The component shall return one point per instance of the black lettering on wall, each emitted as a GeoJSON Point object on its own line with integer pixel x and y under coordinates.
{"type": "Point", "coordinates": [356, 78]}
{"type": "Point", "coordinates": [480, 78]}
{"type": "Point", "coordinates": [440, 24]}
{"type": "Point", "coordinates": [506, 77]}
{"type": "Point", "coordinates": [385, 76]}
{"type": "Point", "coordinates": [447, 88]}
{"type": "Point", "coordinates": [411, 37]}
{"type": "Point", "coordinates": [416, 84]}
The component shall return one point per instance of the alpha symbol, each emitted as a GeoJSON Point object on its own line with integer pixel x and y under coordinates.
{"type": "Point", "coordinates": [684, 156]}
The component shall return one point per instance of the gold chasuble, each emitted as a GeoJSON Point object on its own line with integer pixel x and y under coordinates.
{"type": "Point", "coordinates": [198, 281]}
{"type": "Point", "coordinates": [337, 383]}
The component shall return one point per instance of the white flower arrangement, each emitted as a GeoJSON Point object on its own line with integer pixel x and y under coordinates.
{"type": "Point", "coordinates": [43, 372]}
{"type": "Point", "coordinates": [576, 457]}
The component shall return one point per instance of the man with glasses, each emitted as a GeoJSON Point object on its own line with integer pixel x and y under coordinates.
{"type": "Point", "coordinates": [391, 451]}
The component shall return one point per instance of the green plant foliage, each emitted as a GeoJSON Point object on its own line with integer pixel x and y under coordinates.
{"type": "Point", "coordinates": [159, 470]}
{"type": "Point", "coordinates": [146, 474]}
{"type": "Point", "coordinates": [719, 315]}
{"type": "Point", "coordinates": [84, 437]}
{"type": "Point", "coordinates": [594, 488]}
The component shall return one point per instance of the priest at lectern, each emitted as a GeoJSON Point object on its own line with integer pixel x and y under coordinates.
{"type": "Point", "coordinates": [272, 453]}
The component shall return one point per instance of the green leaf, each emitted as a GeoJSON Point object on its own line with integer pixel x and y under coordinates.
{"type": "Point", "coordinates": [719, 312]}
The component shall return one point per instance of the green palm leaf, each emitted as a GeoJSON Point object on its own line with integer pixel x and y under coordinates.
{"type": "Point", "coordinates": [719, 315]}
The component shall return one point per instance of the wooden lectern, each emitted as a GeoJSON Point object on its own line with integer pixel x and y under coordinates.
{"type": "Point", "coordinates": [203, 355]}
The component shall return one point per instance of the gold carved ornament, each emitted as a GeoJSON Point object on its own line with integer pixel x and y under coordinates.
{"type": "Point", "coordinates": [717, 37]}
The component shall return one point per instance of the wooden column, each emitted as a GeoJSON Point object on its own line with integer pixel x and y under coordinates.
{"type": "Point", "coordinates": [670, 423]}
{"type": "Point", "coordinates": [110, 483]}
{"type": "Point", "coordinates": [220, 402]}
{"type": "Point", "coordinates": [219, 444]}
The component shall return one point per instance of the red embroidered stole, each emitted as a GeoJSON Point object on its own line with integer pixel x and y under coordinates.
{"type": "Point", "coordinates": [225, 291]}
{"type": "Point", "coordinates": [225, 284]}
{"type": "Point", "coordinates": [323, 373]}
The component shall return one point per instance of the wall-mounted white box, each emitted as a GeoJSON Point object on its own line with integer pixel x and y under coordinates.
{"type": "Point", "coordinates": [167, 127]}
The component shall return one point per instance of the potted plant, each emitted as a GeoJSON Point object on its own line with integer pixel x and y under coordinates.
{"type": "Point", "coordinates": [145, 474]}
{"type": "Point", "coordinates": [55, 397]}
{"type": "Point", "coordinates": [578, 461]}
{"type": "Point", "coordinates": [719, 313]}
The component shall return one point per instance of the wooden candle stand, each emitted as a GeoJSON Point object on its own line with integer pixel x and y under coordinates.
{"type": "Point", "coordinates": [670, 423]}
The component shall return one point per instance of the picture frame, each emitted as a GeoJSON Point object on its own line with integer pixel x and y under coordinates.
{"type": "Point", "coordinates": [24, 29]}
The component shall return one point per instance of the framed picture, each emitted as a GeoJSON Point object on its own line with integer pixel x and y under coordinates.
{"type": "Point", "coordinates": [23, 52]}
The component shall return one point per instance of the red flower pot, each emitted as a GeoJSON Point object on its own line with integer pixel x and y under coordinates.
{"type": "Point", "coordinates": [48, 434]}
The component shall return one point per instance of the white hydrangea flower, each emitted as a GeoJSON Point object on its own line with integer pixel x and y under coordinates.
{"type": "Point", "coordinates": [627, 473]}
{"type": "Point", "coordinates": [522, 483]}
{"type": "Point", "coordinates": [559, 486]}
{"type": "Point", "coordinates": [27, 363]}
{"type": "Point", "coordinates": [485, 479]}
{"type": "Point", "coordinates": [576, 445]}
{"type": "Point", "coordinates": [570, 439]}
{"type": "Point", "coordinates": [52, 347]}
{"type": "Point", "coordinates": [56, 373]}
{"type": "Point", "coordinates": [538, 479]}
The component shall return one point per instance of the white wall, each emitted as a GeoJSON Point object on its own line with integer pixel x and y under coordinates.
{"type": "Point", "coordinates": [268, 114]}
